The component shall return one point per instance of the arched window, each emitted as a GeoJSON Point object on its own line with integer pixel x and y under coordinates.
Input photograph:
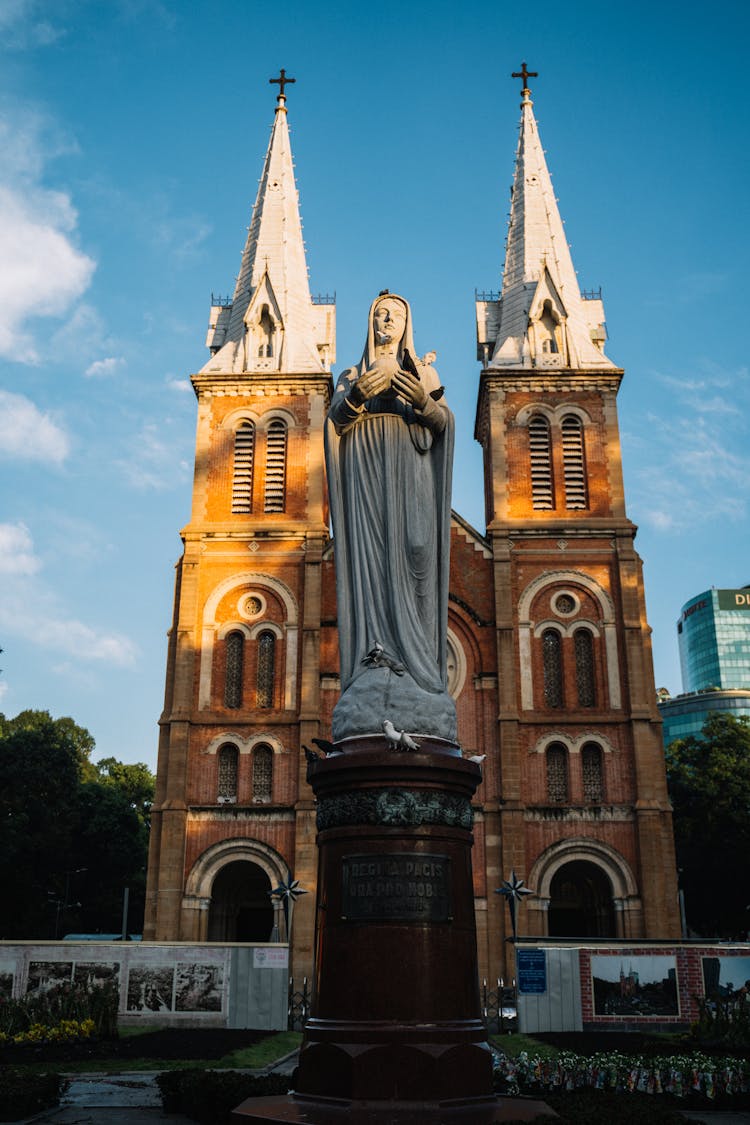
{"type": "Point", "coordinates": [552, 662]}
{"type": "Point", "coordinates": [227, 787]}
{"type": "Point", "coordinates": [275, 494]}
{"type": "Point", "coordinates": [591, 767]}
{"type": "Point", "coordinates": [583, 643]}
{"type": "Point", "coordinates": [557, 773]}
{"type": "Point", "coordinates": [262, 774]}
{"type": "Point", "coordinates": [574, 463]}
{"type": "Point", "coordinates": [242, 481]}
{"type": "Point", "coordinates": [540, 455]}
{"type": "Point", "coordinates": [266, 669]}
{"type": "Point", "coordinates": [234, 646]}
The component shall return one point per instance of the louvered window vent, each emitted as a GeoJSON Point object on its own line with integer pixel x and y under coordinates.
{"type": "Point", "coordinates": [242, 482]}
{"type": "Point", "coordinates": [275, 494]}
{"type": "Point", "coordinates": [540, 452]}
{"type": "Point", "coordinates": [574, 463]}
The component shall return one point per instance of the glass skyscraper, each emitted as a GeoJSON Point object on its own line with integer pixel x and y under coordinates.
{"type": "Point", "coordinates": [714, 638]}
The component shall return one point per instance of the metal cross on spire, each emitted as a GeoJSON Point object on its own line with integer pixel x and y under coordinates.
{"type": "Point", "coordinates": [283, 81]}
{"type": "Point", "coordinates": [522, 73]}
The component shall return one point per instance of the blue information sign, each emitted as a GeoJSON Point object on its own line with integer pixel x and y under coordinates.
{"type": "Point", "coordinates": [531, 970]}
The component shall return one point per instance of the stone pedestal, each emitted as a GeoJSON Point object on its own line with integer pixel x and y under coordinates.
{"type": "Point", "coordinates": [395, 1033]}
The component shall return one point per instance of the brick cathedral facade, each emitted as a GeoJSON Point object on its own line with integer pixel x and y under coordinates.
{"type": "Point", "coordinates": [549, 651]}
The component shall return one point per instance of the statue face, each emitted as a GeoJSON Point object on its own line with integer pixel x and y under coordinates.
{"type": "Point", "coordinates": [389, 321]}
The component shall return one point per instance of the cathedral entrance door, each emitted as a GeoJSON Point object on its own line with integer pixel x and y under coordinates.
{"type": "Point", "coordinates": [581, 902]}
{"type": "Point", "coordinates": [240, 907]}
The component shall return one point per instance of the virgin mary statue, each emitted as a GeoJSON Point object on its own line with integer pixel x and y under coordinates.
{"type": "Point", "coordinates": [389, 453]}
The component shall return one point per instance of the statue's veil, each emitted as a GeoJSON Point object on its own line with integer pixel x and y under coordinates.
{"type": "Point", "coordinates": [407, 339]}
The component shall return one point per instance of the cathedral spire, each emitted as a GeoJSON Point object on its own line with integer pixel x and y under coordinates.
{"type": "Point", "coordinates": [542, 319]}
{"type": "Point", "coordinates": [271, 323]}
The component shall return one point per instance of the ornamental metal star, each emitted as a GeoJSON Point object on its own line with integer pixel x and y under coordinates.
{"type": "Point", "coordinates": [514, 890]}
{"type": "Point", "coordinates": [288, 890]}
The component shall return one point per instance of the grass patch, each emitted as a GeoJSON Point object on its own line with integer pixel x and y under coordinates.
{"type": "Point", "coordinates": [512, 1045]}
{"type": "Point", "coordinates": [264, 1053]}
{"type": "Point", "coordinates": [256, 1056]}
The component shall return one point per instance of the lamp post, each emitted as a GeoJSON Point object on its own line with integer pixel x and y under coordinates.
{"type": "Point", "coordinates": [63, 903]}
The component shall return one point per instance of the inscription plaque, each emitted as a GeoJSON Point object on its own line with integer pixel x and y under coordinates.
{"type": "Point", "coordinates": [397, 887]}
{"type": "Point", "coordinates": [531, 971]}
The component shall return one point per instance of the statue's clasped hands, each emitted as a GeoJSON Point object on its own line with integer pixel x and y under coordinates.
{"type": "Point", "coordinates": [384, 377]}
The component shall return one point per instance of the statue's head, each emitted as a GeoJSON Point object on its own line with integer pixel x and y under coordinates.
{"type": "Point", "coordinates": [389, 316]}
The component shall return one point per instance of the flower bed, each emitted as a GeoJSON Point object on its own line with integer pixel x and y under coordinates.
{"type": "Point", "coordinates": [678, 1075]}
{"type": "Point", "coordinates": [66, 1031]}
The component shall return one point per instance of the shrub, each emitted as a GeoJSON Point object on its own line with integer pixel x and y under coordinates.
{"type": "Point", "coordinates": [209, 1096]}
{"type": "Point", "coordinates": [22, 1096]}
{"type": "Point", "coordinates": [591, 1107]}
{"type": "Point", "coordinates": [724, 1022]}
{"type": "Point", "coordinates": [94, 1007]}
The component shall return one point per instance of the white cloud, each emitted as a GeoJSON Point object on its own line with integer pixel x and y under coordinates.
{"type": "Point", "coordinates": [3, 688]}
{"type": "Point", "coordinates": [22, 28]}
{"type": "Point", "coordinates": [26, 434]}
{"type": "Point", "coordinates": [662, 521]}
{"type": "Point", "coordinates": [17, 550]}
{"type": "Point", "coordinates": [29, 609]}
{"type": "Point", "coordinates": [42, 271]}
{"type": "Point", "coordinates": [106, 366]}
{"type": "Point", "coordinates": [693, 452]}
{"type": "Point", "coordinates": [154, 461]}
{"type": "Point", "coordinates": [35, 618]}
{"type": "Point", "coordinates": [182, 385]}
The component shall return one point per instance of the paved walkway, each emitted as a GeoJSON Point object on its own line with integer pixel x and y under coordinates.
{"type": "Point", "coordinates": [109, 1099]}
{"type": "Point", "coordinates": [130, 1098]}
{"type": "Point", "coordinates": [133, 1099]}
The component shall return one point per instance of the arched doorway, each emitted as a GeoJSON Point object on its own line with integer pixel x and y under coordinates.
{"type": "Point", "coordinates": [581, 902]}
{"type": "Point", "coordinates": [241, 909]}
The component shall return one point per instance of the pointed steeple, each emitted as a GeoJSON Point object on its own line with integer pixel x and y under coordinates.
{"type": "Point", "coordinates": [271, 323]}
{"type": "Point", "coordinates": [541, 319]}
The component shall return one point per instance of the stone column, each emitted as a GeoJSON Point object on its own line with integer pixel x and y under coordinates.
{"type": "Point", "coordinates": [396, 1014]}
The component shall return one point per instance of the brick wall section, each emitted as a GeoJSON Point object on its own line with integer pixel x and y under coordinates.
{"type": "Point", "coordinates": [690, 984]}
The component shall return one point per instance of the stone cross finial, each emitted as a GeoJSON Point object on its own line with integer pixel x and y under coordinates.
{"type": "Point", "coordinates": [522, 73]}
{"type": "Point", "coordinates": [283, 81]}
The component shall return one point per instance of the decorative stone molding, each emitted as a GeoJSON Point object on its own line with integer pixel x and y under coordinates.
{"type": "Point", "coordinates": [581, 814]}
{"type": "Point", "coordinates": [210, 862]}
{"type": "Point", "coordinates": [396, 807]}
{"type": "Point", "coordinates": [602, 855]}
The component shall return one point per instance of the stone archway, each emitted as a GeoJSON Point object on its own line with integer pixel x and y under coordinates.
{"type": "Point", "coordinates": [240, 909]}
{"type": "Point", "coordinates": [215, 905]}
{"type": "Point", "coordinates": [604, 883]}
{"type": "Point", "coordinates": [581, 902]}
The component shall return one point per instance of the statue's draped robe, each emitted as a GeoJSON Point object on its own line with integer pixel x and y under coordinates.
{"type": "Point", "coordinates": [389, 477]}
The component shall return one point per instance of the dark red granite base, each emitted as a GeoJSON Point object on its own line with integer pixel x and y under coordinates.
{"type": "Point", "coordinates": [303, 1111]}
{"type": "Point", "coordinates": [395, 1036]}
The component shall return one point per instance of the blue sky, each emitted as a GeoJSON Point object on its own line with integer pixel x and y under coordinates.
{"type": "Point", "coordinates": [132, 135]}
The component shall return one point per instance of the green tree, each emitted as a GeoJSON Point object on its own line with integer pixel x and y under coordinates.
{"type": "Point", "coordinates": [39, 772]}
{"type": "Point", "coordinates": [73, 833]}
{"type": "Point", "coordinates": [134, 780]}
{"type": "Point", "coordinates": [709, 783]}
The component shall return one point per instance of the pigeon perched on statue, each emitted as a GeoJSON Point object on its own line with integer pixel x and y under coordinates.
{"type": "Point", "coordinates": [478, 758]}
{"type": "Point", "coordinates": [327, 747]}
{"type": "Point", "coordinates": [398, 739]}
{"type": "Point", "coordinates": [377, 657]}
